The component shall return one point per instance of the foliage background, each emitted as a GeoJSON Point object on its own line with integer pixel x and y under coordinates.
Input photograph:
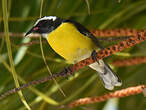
{"type": "Point", "coordinates": [29, 65]}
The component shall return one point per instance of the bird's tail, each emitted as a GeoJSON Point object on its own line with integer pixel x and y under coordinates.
{"type": "Point", "coordinates": [108, 77]}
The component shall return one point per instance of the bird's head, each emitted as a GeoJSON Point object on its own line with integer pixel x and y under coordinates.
{"type": "Point", "coordinates": [45, 25]}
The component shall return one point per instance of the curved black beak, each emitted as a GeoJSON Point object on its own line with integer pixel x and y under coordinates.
{"type": "Point", "coordinates": [29, 32]}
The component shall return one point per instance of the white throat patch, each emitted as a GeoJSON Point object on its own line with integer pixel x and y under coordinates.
{"type": "Point", "coordinates": [46, 18]}
{"type": "Point", "coordinates": [45, 36]}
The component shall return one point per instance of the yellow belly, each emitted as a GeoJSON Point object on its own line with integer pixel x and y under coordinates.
{"type": "Point", "coordinates": [69, 43]}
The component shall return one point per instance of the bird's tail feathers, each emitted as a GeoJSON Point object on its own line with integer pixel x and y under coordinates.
{"type": "Point", "coordinates": [108, 77]}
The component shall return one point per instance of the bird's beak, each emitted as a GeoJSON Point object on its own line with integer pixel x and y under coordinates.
{"type": "Point", "coordinates": [29, 32]}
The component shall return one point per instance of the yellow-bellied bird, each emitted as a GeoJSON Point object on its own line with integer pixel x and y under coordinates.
{"type": "Point", "coordinates": [74, 43]}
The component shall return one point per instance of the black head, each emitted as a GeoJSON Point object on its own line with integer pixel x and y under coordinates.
{"type": "Point", "coordinates": [45, 25]}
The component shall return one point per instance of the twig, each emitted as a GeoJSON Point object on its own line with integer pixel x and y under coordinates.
{"type": "Point", "coordinates": [129, 61]}
{"type": "Point", "coordinates": [35, 82]}
{"type": "Point", "coordinates": [115, 32]}
{"type": "Point", "coordinates": [99, 38]}
{"type": "Point", "coordinates": [96, 32]}
{"type": "Point", "coordinates": [144, 91]}
{"type": "Point", "coordinates": [19, 35]}
{"type": "Point", "coordinates": [32, 43]}
{"type": "Point", "coordinates": [117, 94]}
{"type": "Point", "coordinates": [103, 33]}
{"type": "Point", "coordinates": [139, 37]}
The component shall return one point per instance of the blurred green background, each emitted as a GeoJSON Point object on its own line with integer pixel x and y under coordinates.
{"type": "Point", "coordinates": [29, 65]}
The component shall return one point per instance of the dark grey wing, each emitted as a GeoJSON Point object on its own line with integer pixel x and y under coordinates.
{"type": "Point", "coordinates": [86, 32]}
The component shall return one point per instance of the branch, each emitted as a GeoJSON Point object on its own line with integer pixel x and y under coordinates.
{"type": "Point", "coordinates": [138, 38]}
{"type": "Point", "coordinates": [129, 61]}
{"type": "Point", "coordinates": [117, 94]}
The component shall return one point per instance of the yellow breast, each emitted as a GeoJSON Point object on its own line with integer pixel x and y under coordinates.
{"type": "Point", "coordinates": [69, 43]}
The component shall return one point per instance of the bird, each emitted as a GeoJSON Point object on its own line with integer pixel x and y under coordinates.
{"type": "Point", "coordinates": [72, 41]}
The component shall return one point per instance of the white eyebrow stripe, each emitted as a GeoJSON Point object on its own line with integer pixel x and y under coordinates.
{"type": "Point", "coordinates": [46, 18]}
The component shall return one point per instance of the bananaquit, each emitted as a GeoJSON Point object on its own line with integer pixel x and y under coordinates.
{"type": "Point", "coordinates": [74, 43]}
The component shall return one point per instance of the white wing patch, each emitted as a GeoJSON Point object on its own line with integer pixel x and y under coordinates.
{"type": "Point", "coordinates": [46, 18]}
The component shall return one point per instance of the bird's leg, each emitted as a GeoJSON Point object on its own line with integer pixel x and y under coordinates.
{"type": "Point", "coordinates": [94, 55]}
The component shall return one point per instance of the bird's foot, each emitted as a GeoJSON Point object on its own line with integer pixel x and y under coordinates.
{"type": "Point", "coordinates": [94, 55]}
